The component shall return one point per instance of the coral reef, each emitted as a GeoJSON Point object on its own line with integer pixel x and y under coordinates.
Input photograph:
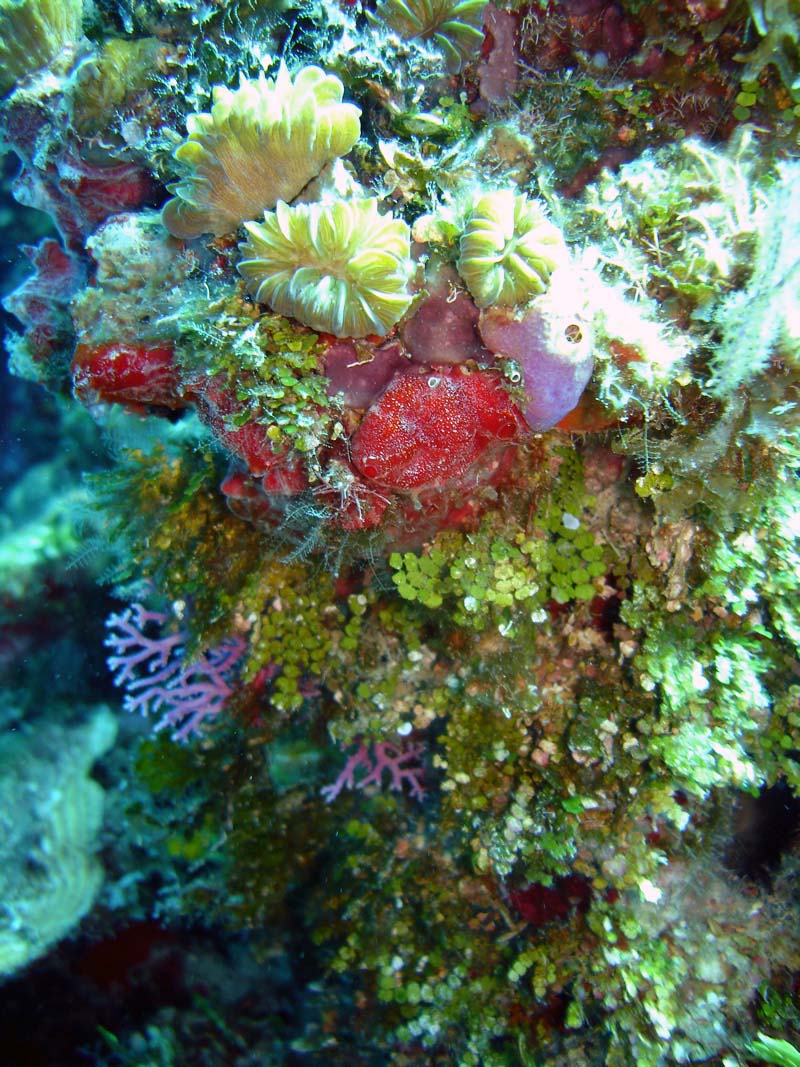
{"type": "Point", "coordinates": [447, 517]}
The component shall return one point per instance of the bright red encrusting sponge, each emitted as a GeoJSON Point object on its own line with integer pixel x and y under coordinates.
{"type": "Point", "coordinates": [135, 375]}
{"type": "Point", "coordinates": [428, 429]}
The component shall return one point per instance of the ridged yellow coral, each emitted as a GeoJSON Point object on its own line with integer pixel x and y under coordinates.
{"type": "Point", "coordinates": [340, 267]}
{"type": "Point", "coordinates": [455, 25]}
{"type": "Point", "coordinates": [32, 33]}
{"type": "Point", "coordinates": [508, 249]}
{"type": "Point", "coordinates": [261, 143]}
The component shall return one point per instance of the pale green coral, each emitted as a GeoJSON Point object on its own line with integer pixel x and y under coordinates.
{"type": "Point", "coordinates": [44, 540]}
{"type": "Point", "coordinates": [261, 143]}
{"type": "Point", "coordinates": [51, 812]}
{"type": "Point", "coordinates": [340, 267]}
{"type": "Point", "coordinates": [455, 25]}
{"type": "Point", "coordinates": [32, 33]}
{"type": "Point", "coordinates": [508, 249]}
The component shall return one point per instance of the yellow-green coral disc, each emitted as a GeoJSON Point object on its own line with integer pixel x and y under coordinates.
{"type": "Point", "coordinates": [508, 249]}
{"type": "Point", "coordinates": [455, 25]}
{"type": "Point", "coordinates": [340, 268]}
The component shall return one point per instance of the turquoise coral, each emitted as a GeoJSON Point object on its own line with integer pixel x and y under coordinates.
{"type": "Point", "coordinates": [52, 813]}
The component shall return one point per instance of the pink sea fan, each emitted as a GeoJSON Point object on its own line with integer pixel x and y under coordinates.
{"type": "Point", "coordinates": [402, 761]}
{"type": "Point", "coordinates": [156, 677]}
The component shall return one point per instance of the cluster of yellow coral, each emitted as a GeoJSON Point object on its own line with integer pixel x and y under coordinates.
{"type": "Point", "coordinates": [261, 143]}
{"type": "Point", "coordinates": [339, 266]}
{"type": "Point", "coordinates": [343, 268]}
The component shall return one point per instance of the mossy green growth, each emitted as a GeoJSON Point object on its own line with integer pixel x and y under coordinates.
{"type": "Point", "coordinates": [505, 567]}
{"type": "Point", "coordinates": [440, 981]}
{"type": "Point", "coordinates": [381, 673]}
{"type": "Point", "coordinates": [176, 821]}
{"type": "Point", "coordinates": [293, 632]}
{"type": "Point", "coordinates": [269, 364]}
{"type": "Point", "coordinates": [225, 567]}
{"type": "Point", "coordinates": [445, 122]}
{"type": "Point", "coordinates": [757, 325]}
{"type": "Point", "coordinates": [686, 217]}
{"type": "Point", "coordinates": [778, 1008]}
{"type": "Point", "coordinates": [193, 845]}
{"type": "Point", "coordinates": [169, 524]}
{"type": "Point", "coordinates": [162, 766]}
{"type": "Point", "coordinates": [222, 791]}
{"type": "Point", "coordinates": [717, 655]}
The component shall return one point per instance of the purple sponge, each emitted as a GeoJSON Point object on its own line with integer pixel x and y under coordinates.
{"type": "Point", "coordinates": [553, 350]}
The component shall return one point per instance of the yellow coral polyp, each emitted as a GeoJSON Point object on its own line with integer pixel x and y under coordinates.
{"type": "Point", "coordinates": [508, 249]}
{"type": "Point", "coordinates": [261, 143]}
{"type": "Point", "coordinates": [340, 267]}
{"type": "Point", "coordinates": [455, 25]}
{"type": "Point", "coordinates": [33, 33]}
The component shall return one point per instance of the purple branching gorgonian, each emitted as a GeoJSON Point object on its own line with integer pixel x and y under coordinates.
{"type": "Point", "coordinates": [401, 761]}
{"type": "Point", "coordinates": [156, 677]}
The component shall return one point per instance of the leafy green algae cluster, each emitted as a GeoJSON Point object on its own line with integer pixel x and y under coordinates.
{"type": "Point", "coordinates": [603, 668]}
{"type": "Point", "coordinates": [271, 367]}
{"type": "Point", "coordinates": [507, 565]}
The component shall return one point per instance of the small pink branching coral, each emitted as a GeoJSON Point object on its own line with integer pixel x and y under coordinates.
{"type": "Point", "coordinates": [401, 761]}
{"type": "Point", "coordinates": [156, 677]}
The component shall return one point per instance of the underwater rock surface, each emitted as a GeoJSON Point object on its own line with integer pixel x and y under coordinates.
{"type": "Point", "coordinates": [405, 421]}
